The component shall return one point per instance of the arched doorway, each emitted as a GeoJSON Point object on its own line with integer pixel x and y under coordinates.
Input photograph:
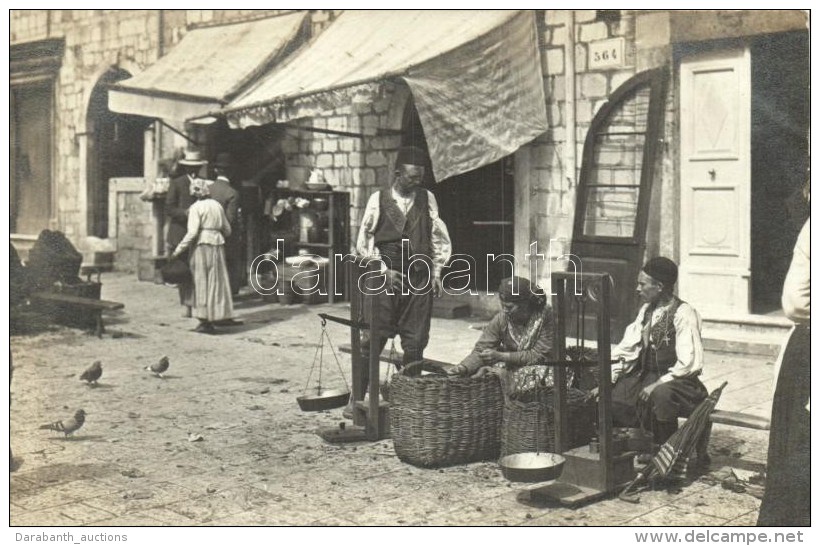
{"type": "Point", "coordinates": [115, 149]}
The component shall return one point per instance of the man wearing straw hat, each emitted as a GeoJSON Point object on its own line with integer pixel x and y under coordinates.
{"type": "Point", "coordinates": [177, 201]}
{"type": "Point", "coordinates": [399, 223]}
{"type": "Point", "coordinates": [660, 357]}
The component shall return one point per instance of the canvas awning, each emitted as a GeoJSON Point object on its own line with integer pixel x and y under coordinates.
{"type": "Point", "coordinates": [475, 77]}
{"type": "Point", "coordinates": [207, 68]}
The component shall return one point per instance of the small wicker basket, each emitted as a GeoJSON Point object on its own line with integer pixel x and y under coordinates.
{"type": "Point", "coordinates": [529, 425]}
{"type": "Point", "coordinates": [440, 421]}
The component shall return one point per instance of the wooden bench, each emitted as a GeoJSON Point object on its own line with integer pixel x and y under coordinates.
{"type": "Point", "coordinates": [729, 418]}
{"type": "Point", "coordinates": [737, 419]}
{"type": "Point", "coordinates": [63, 306]}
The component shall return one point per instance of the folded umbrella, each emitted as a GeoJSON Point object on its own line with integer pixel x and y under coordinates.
{"type": "Point", "coordinates": [673, 456]}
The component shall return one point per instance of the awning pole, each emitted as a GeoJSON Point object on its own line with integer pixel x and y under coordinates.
{"type": "Point", "coordinates": [177, 131]}
{"type": "Point", "coordinates": [570, 153]}
{"type": "Point", "coordinates": [323, 131]}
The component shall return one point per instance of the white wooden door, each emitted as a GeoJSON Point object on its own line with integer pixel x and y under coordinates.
{"type": "Point", "coordinates": [715, 224]}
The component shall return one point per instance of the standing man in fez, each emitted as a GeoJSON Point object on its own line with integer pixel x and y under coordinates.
{"type": "Point", "coordinates": [660, 358]}
{"type": "Point", "coordinates": [404, 212]}
{"type": "Point", "coordinates": [228, 197]}
{"type": "Point", "coordinates": [177, 201]}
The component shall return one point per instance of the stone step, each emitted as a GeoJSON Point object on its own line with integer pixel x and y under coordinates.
{"type": "Point", "coordinates": [748, 325]}
{"type": "Point", "coordinates": [748, 334]}
{"type": "Point", "coordinates": [736, 341]}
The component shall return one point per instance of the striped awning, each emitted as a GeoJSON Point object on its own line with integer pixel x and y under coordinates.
{"type": "Point", "coordinates": [475, 77]}
{"type": "Point", "coordinates": [207, 68]}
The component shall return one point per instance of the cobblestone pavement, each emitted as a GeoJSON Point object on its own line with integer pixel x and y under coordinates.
{"type": "Point", "coordinates": [259, 461]}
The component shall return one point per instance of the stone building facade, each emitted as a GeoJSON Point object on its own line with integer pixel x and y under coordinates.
{"type": "Point", "coordinates": [349, 163]}
{"type": "Point", "coordinates": [722, 226]}
{"type": "Point", "coordinates": [99, 47]}
{"type": "Point", "coordinates": [580, 73]}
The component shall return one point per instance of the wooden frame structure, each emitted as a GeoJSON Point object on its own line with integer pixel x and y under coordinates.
{"type": "Point", "coordinates": [588, 474]}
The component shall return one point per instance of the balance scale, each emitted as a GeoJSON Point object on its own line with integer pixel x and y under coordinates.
{"type": "Point", "coordinates": [371, 419]}
{"type": "Point", "coordinates": [592, 471]}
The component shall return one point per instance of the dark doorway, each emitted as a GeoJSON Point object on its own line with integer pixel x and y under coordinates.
{"type": "Point", "coordinates": [477, 207]}
{"type": "Point", "coordinates": [780, 128]}
{"type": "Point", "coordinates": [115, 149]}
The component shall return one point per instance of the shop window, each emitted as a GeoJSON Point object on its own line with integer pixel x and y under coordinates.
{"type": "Point", "coordinates": [618, 160]}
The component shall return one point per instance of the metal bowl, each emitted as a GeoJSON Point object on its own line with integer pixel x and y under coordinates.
{"type": "Point", "coordinates": [531, 467]}
{"type": "Point", "coordinates": [323, 400]}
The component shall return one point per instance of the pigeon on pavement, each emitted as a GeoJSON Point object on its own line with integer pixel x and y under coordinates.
{"type": "Point", "coordinates": [92, 373]}
{"type": "Point", "coordinates": [160, 367]}
{"type": "Point", "coordinates": [67, 426]}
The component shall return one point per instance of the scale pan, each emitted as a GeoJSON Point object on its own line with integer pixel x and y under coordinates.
{"type": "Point", "coordinates": [531, 467]}
{"type": "Point", "coordinates": [323, 400]}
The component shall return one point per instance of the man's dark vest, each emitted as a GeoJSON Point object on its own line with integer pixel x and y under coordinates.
{"type": "Point", "coordinates": [658, 353]}
{"type": "Point", "coordinates": [393, 226]}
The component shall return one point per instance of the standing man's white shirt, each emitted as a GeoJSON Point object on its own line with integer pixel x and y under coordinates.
{"type": "Point", "coordinates": [439, 237]}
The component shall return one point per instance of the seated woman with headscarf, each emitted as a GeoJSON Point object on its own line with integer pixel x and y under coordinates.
{"type": "Point", "coordinates": [519, 336]}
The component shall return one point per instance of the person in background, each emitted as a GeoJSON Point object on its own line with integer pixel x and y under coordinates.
{"type": "Point", "coordinates": [660, 359]}
{"type": "Point", "coordinates": [208, 227]}
{"type": "Point", "coordinates": [177, 201]}
{"type": "Point", "coordinates": [225, 194]}
{"type": "Point", "coordinates": [404, 212]}
{"type": "Point", "coordinates": [787, 498]}
{"type": "Point", "coordinates": [519, 336]}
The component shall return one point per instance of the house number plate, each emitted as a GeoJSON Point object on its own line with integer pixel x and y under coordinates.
{"type": "Point", "coordinates": [606, 53]}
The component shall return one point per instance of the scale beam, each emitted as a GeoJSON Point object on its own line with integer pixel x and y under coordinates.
{"type": "Point", "coordinates": [347, 322]}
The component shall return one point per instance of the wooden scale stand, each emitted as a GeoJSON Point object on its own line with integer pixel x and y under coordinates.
{"type": "Point", "coordinates": [371, 420]}
{"type": "Point", "coordinates": [589, 473]}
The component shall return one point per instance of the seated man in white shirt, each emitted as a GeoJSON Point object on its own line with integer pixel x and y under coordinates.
{"type": "Point", "coordinates": [661, 357]}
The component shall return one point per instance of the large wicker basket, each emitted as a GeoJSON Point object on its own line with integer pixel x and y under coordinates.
{"type": "Point", "coordinates": [441, 421]}
{"type": "Point", "coordinates": [529, 426]}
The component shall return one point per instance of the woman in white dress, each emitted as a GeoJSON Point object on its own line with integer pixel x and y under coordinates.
{"type": "Point", "coordinates": [208, 227]}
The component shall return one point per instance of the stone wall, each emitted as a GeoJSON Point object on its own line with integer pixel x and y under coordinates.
{"type": "Point", "coordinates": [551, 188]}
{"type": "Point", "coordinates": [357, 165]}
{"type": "Point", "coordinates": [649, 37]}
{"type": "Point", "coordinates": [96, 41]}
